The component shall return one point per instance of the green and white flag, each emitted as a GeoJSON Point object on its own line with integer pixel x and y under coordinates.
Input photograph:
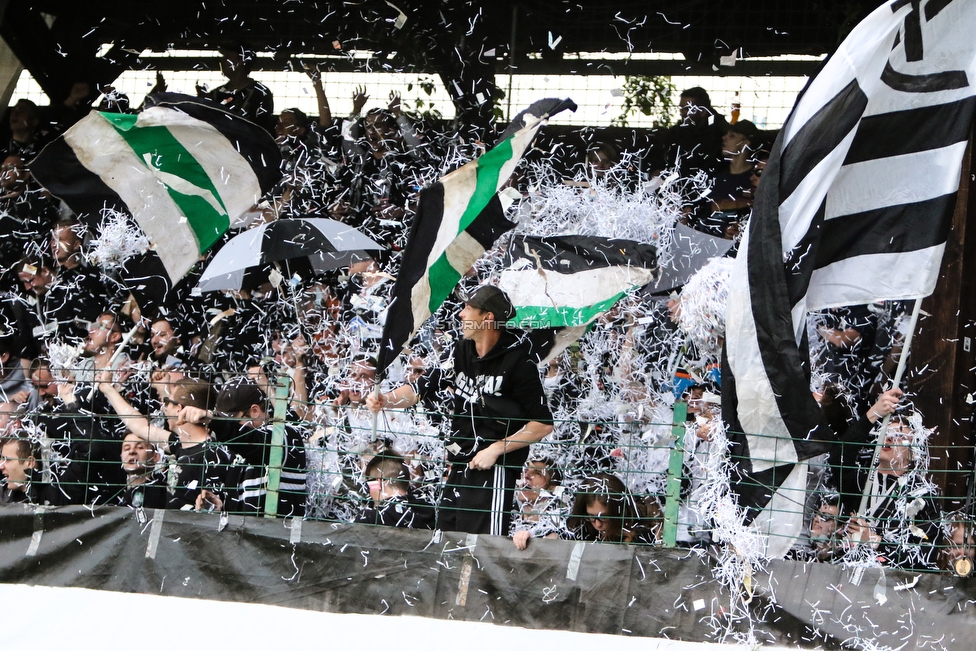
{"type": "Point", "coordinates": [458, 219]}
{"type": "Point", "coordinates": [186, 171]}
{"type": "Point", "coordinates": [563, 284]}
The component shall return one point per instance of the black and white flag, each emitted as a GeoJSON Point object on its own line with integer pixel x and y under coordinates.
{"type": "Point", "coordinates": [458, 218]}
{"type": "Point", "coordinates": [854, 206]}
{"type": "Point", "coordinates": [560, 285]}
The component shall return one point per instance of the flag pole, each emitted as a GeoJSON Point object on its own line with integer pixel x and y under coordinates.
{"type": "Point", "coordinates": [902, 360]}
{"type": "Point", "coordinates": [374, 416]}
{"type": "Point", "coordinates": [122, 345]}
{"type": "Point", "coordinates": [116, 355]}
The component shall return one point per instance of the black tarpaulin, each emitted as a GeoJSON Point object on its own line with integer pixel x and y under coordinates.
{"type": "Point", "coordinates": [554, 584]}
{"type": "Point", "coordinates": [890, 608]}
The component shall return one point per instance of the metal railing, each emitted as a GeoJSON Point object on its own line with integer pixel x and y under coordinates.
{"type": "Point", "coordinates": [663, 476]}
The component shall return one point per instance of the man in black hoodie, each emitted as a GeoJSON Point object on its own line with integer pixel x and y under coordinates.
{"type": "Point", "coordinates": [498, 410]}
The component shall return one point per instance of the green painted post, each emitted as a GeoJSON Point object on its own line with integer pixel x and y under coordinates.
{"type": "Point", "coordinates": [276, 457]}
{"type": "Point", "coordinates": [676, 461]}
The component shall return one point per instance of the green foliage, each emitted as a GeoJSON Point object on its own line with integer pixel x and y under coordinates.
{"type": "Point", "coordinates": [497, 109]}
{"type": "Point", "coordinates": [424, 108]}
{"type": "Point", "coordinates": [651, 96]}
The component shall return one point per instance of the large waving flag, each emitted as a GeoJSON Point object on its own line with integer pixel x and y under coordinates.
{"type": "Point", "coordinates": [184, 169]}
{"type": "Point", "coordinates": [458, 219]}
{"type": "Point", "coordinates": [562, 284]}
{"type": "Point", "coordinates": [854, 206]}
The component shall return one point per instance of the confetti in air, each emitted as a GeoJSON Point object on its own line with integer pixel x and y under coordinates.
{"type": "Point", "coordinates": [118, 240]}
{"type": "Point", "coordinates": [703, 303]}
{"type": "Point", "coordinates": [64, 358]}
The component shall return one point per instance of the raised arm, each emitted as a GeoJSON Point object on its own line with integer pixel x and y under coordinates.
{"type": "Point", "coordinates": [410, 137]}
{"type": "Point", "coordinates": [403, 397]}
{"type": "Point", "coordinates": [325, 111]}
{"type": "Point", "coordinates": [845, 338]}
{"type": "Point", "coordinates": [136, 422]}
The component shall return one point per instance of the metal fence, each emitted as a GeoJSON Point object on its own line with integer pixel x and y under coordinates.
{"type": "Point", "coordinates": [671, 476]}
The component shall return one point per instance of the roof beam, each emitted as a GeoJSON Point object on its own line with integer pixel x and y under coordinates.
{"type": "Point", "coordinates": [565, 66]}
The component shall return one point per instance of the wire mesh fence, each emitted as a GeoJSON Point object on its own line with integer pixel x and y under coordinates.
{"type": "Point", "coordinates": [626, 480]}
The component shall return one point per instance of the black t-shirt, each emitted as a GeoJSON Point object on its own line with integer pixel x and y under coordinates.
{"type": "Point", "coordinates": [149, 495]}
{"type": "Point", "coordinates": [198, 466]}
{"type": "Point", "coordinates": [493, 396]}
{"type": "Point", "coordinates": [402, 511]}
{"type": "Point", "coordinates": [696, 148]}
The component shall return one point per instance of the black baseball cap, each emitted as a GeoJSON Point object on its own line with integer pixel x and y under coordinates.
{"type": "Point", "coordinates": [491, 299]}
{"type": "Point", "coordinates": [747, 129]}
{"type": "Point", "coordinates": [238, 395]}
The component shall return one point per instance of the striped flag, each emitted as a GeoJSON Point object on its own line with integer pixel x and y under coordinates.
{"type": "Point", "coordinates": [184, 169]}
{"type": "Point", "coordinates": [854, 206]}
{"type": "Point", "coordinates": [458, 219]}
{"type": "Point", "coordinates": [563, 284]}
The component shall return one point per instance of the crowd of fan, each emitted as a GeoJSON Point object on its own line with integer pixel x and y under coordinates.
{"type": "Point", "coordinates": [102, 404]}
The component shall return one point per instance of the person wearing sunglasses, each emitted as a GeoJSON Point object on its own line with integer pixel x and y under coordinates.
{"type": "Point", "coordinates": [826, 528]}
{"type": "Point", "coordinates": [498, 409]}
{"type": "Point", "coordinates": [605, 511]}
